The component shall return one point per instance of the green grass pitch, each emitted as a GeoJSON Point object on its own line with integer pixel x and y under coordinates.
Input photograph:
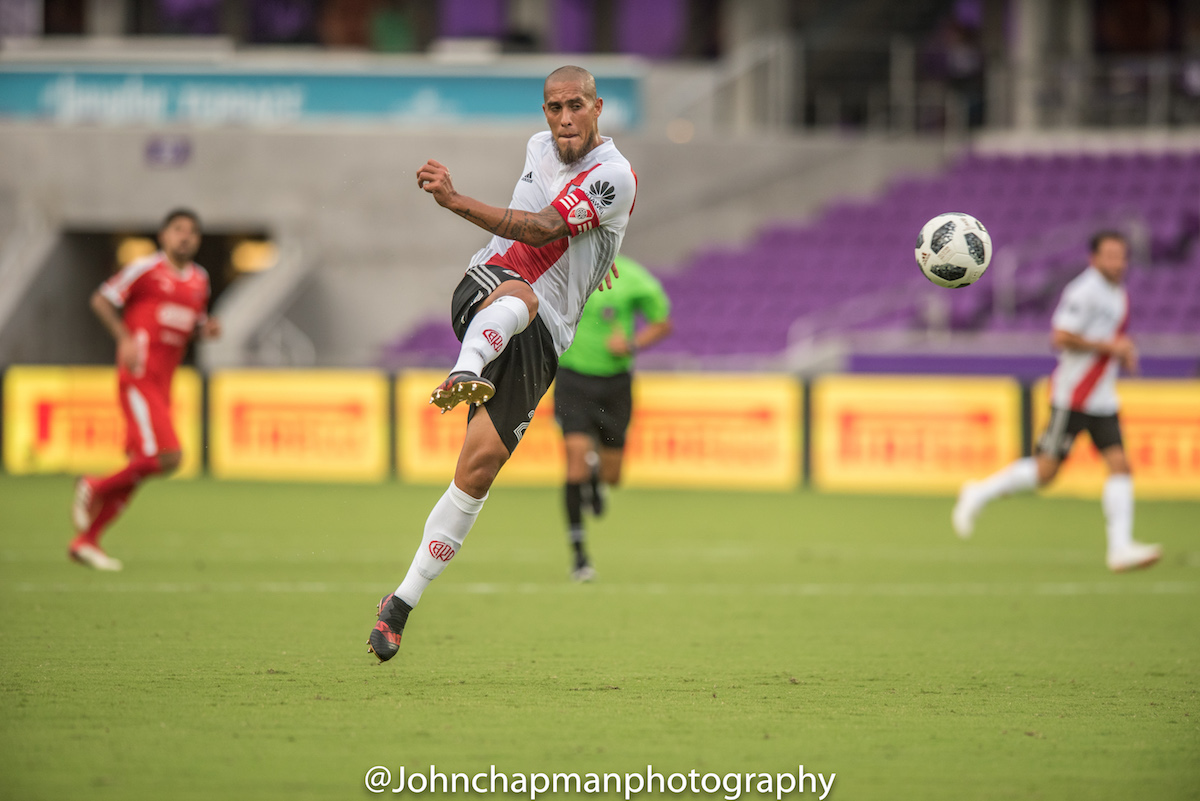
{"type": "Point", "coordinates": [735, 632]}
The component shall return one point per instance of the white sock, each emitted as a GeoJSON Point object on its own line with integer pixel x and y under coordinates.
{"type": "Point", "coordinates": [1117, 502]}
{"type": "Point", "coordinates": [445, 529]}
{"type": "Point", "coordinates": [1020, 476]}
{"type": "Point", "coordinates": [489, 333]}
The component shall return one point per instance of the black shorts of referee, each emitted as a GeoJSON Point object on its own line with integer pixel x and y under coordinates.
{"type": "Point", "coordinates": [599, 406]}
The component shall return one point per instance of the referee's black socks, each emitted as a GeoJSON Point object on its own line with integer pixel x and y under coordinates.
{"type": "Point", "coordinates": [575, 522]}
{"type": "Point", "coordinates": [575, 505]}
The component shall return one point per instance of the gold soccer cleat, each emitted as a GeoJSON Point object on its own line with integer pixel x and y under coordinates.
{"type": "Point", "coordinates": [462, 387]}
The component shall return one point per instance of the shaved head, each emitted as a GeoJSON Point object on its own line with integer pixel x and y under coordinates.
{"type": "Point", "coordinates": [572, 112]}
{"type": "Point", "coordinates": [572, 74]}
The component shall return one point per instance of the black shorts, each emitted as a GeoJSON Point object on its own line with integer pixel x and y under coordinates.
{"type": "Point", "coordinates": [522, 372]}
{"type": "Point", "coordinates": [1065, 424]}
{"type": "Point", "coordinates": [599, 406]}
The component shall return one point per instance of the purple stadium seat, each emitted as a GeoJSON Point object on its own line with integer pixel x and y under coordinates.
{"type": "Point", "coordinates": [864, 247]}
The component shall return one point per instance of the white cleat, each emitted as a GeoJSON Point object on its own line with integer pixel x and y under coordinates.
{"type": "Point", "coordinates": [82, 510]}
{"type": "Point", "coordinates": [95, 558]}
{"type": "Point", "coordinates": [1133, 556]}
{"type": "Point", "coordinates": [583, 574]}
{"type": "Point", "coordinates": [966, 509]}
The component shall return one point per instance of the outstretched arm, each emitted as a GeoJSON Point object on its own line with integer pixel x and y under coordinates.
{"type": "Point", "coordinates": [534, 228]}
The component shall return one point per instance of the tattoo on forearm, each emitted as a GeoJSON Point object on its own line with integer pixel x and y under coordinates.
{"type": "Point", "coordinates": [514, 225]}
{"type": "Point", "coordinates": [510, 228]}
{"type": "Point", "coordinates": [467, 215]}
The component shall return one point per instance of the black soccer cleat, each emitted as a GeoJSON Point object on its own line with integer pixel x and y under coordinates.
{"type": "Point", "coordinates": [384, 641]}
{"type": "Point", "coordinates": [462, 387]}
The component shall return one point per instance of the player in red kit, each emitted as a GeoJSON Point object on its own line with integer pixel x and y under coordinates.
{"type": "Point", "coordinates": [152, 307]}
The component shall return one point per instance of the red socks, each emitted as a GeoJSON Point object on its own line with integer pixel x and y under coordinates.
{"type": "Point", "coordinates": [113, 494]}
{"type": "Point", "coordinates": [125, 480]}
{"type": "Point", "coordinates": [110, 507]}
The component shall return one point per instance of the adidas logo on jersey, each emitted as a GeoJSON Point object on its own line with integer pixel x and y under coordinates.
{"type": "Point", "coordinates": [528, 177]}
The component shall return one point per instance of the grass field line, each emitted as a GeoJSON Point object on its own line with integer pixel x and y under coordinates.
{"type": "Point", "coordinates": [1117, 586]}
{"type": "Point", "coordinates": [958, 554]}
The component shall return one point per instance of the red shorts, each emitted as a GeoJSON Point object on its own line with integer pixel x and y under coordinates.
{"type": "Point", "coordinates": [147, 408]}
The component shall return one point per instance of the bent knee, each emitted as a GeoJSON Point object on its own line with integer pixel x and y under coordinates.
{"type": "Point", "coordinates": [169, 462]}
{"type": "Point", "coordinates": [477, 473]}
{"type": "Point", "coordinates": [578, 475]}
{"type": "Point", "coordinates": [514, 289]}
{"type": "Point", "coordinates": [1047, 469]}
{"type": "Point", "coordinates": [531, 301]}
{"type": "Point", "coordinates": [1117, 461]}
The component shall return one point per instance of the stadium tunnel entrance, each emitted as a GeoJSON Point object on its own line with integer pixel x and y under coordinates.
{"type": "Point", "coordinates": [50, 322]}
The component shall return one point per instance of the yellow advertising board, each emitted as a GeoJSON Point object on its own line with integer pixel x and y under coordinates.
{"type": "Point", "coordinates": [310, 425]}
{"type": "Point", "coordinates": [1160, 427]}
{"type": "Point", "coordinates": [719, 431]}
{"type": "Point", "coordinates": [911, 434]}
{"type": "Point", "coordinates": [69, 420]}
{"type": "Point", "coordinates": [687, 431]}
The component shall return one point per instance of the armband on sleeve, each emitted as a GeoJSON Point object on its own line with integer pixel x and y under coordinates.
{"type": "Point", "coordinates": [577, 211]}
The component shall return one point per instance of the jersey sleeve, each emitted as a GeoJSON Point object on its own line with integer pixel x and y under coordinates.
{"type": "Point", "coordinates": [527, 194]}
{"type": "Point", "coordinates": [126, 283]}
{"type": "Point", "coordinates": [647, 297]}
{"type": "Point", "coordinates": [604, 199]}
{"type": "Point", "coordinates": [1071, 314]}
{"type": "Point", "coordinates": [654, 304]}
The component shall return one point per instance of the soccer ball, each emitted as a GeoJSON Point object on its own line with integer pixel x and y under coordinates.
{"type": "Point", "coordinates": [953, 249]}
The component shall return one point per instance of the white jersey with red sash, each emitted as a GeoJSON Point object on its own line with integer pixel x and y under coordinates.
{"type": "Point", "coordinates": [595, 196]}
{"type": "Point", "coordinates": [1092, 308]}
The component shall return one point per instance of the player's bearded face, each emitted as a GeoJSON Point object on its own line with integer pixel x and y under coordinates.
{"type": "Point", "coordinates": [180, 239]}
{"type": "Point", "coordinates": [573, 117]}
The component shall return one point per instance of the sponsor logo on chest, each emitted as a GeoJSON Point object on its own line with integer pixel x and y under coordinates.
{"type": "Point", "coordinates": [173, 315]}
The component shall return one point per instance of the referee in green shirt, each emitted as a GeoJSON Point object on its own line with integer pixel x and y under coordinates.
{"type": "Point", "coordinates": [593, 397]}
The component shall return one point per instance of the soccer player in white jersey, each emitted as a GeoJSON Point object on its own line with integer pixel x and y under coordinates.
{"type": "Point", "coordinates": [1089, 327]}
{"type": "Point", "coordinates": [516, 309]}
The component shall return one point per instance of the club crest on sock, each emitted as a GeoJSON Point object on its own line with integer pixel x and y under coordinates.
{"type": "Point", "coordinates": [442, 551]}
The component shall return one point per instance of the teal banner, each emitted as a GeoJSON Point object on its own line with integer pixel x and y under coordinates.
{"type": "Point", "coordinates": [128, 95]}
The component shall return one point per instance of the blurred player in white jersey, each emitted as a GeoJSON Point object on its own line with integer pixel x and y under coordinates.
{"type": "Point", "coordinates": [1089, 332]}
{"type": "Point", "coordinates": [516, 309]}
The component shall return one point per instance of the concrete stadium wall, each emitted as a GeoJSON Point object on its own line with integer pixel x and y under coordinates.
{"type": "Point", "coordinates": [386, 256]}
{"type": "Point", "coordinates": [53, 324]}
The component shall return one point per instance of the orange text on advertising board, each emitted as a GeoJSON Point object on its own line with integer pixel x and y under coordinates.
{"type": "Point", "coordinates": [300, 430]}
{"type": "Point", "coordinates": [945, 440]}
